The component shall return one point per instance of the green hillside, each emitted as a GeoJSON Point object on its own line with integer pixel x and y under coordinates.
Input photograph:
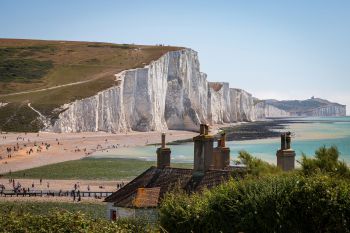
{"type": "Point", "coordinates": [33, 71]}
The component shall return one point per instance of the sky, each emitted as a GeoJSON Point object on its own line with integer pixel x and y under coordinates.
{"type": "Point", "coordinates": [282, 49]}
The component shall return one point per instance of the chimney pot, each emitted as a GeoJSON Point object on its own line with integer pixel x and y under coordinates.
{"type": "Point", "coordinates": [201, 129]}
{"type": "Point", "coordinates": [288, 140]}
{"type": "Point", "coordinates": [206, 129]}
{"type": "Point", "coordinates": [283, 141]}
{"type": "Point", "coordinates": [163, 154]}
{"type": "Point", "coordinates": [163, 140]}
{"type": "Point", "coordinates": [223, 139]}
{"type": "Point", "coordinates": [219, 142]}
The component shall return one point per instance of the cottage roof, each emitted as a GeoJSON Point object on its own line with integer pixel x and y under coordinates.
{"type": "Point", "coordinates": [148, 189]}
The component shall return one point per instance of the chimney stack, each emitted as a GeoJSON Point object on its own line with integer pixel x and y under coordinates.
{"type": "Point", "coordinates": [286, 155]}
{"type": "Point", "coordinates": [203, 150]}
{"type": "Point", "coordinates": [221, 154]}
{"type": "Point", "coordinates": [163, 155]}
{"type": "Point", "coordinates": [283, 141]}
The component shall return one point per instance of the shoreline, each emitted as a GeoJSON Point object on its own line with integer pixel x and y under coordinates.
{"type": "Point", "coordinates": [73, 146]}
{"type": "Point", "coordinates": [29, 150]}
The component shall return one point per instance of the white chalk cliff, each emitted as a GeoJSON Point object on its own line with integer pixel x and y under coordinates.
{"type": "Point", "coordinates": [330, 110]}
{"type": "Point", "coordinates": [264, 110]}
{"type": "Point", "coordinates": [169, 93]}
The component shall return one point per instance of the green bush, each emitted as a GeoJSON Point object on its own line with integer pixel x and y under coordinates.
{"type": "Point", "coordinates": [256, 166]}
{"type": "Point", "coordinates": [23, 70]}
{"type": "Point", "coordinates": [326, 160]}
{"type": "Point", "coordinates": [65, 222]}
{"type": "Point", "coordinates": [284, 203]}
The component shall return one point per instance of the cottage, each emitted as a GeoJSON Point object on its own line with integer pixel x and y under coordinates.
{"type": "Point", "coordinates": [142, 195]}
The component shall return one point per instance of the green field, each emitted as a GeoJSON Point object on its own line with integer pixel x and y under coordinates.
{"type": "Point", "coordinates": [90, 169]}
{"type": "Point", "coordinates": [44, 208]}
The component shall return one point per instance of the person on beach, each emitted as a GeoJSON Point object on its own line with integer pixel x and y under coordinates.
{"type": "Point", "coordinates": [78, 194]}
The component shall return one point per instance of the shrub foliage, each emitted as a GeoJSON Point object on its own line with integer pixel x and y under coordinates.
{"type": "Point", "coordinates": [326, 160]}
{"type": "Point", "coordinates": [63, 221]}
{"type": "Point", "coordinates": [284, 203]}
{"type": "Point", "coordinates": [256, 166]}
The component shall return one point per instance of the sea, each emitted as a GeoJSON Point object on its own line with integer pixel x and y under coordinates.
{"type": "Point", "coordinates": [308, 134]}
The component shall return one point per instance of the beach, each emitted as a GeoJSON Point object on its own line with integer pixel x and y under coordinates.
{"type": "Point", "coordinates": [30, 150]}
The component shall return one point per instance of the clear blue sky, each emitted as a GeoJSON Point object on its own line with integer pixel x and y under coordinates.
{"type": "Point", "coordinates": [274, 49]}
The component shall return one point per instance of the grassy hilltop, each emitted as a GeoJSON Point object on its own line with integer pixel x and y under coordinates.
{"type": "Point", "coordinates": [29, 66]}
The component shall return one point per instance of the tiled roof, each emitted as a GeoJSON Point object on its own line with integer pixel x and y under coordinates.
{"type": "Point", "coordinates": [155, 182]}
{"type": "Point", "coordinates": [147, 197]}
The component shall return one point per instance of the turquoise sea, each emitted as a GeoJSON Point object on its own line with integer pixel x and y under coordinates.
{"type": "Point", "coordinates": [308, 135]}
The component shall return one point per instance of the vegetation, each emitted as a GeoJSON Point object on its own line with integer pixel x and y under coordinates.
{"type": "Point", "coordinates": [64, 221]}
{"type": "Point", "coordinates": [89, 169]}
{"type": "Point", "coordinates": [23, 70]}
{"type": "Point", "coordinates": [43, 208]}
{"type": "Point", "coordinates": [326, 161]}
{"type": "Point", "coordinates": [255, 166]}
{"type": "Point", "coordinates": [19, 117]}
{"type": "Point", "coordinates": [315, 198]}
{"type": "Point", "coordinates": [285, 203]}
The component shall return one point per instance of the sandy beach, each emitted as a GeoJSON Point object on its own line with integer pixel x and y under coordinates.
{"type": "Point", "coordinates": [30, 150]}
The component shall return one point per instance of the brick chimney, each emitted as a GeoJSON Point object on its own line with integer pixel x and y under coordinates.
{"type": "Point", "coordinates": [203, 150]}
{"type": "Point", "coordinates": [286, 155]}
{"type": "Point", "coordinates": [221, 154]}
{"type": "Point", "coordinates": [163, 154]}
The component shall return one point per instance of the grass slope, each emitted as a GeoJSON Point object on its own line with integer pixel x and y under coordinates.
{"type": "Point", "coordinates": [90, 169]}
{"type": "Point", "coordinates": [28, 65]}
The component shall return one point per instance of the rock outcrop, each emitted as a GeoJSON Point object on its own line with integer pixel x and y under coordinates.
{"type": "Point", "coordinates": [169, 93]}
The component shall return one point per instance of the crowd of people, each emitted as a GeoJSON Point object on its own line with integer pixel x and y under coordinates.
{"type": "Point", "coordinates": [16, 187]}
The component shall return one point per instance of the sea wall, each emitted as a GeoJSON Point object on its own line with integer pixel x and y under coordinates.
{"type": "Point", "coordinates": [169, 93]}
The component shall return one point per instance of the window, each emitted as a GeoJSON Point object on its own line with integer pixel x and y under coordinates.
{"type": "Point", "coordinates": [113, 215]}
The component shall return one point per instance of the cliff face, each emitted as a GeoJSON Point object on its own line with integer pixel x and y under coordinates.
{"type": "Point", "coordinates": [310, 107]}
{"type": "Point", "coordinates": [226, 105]}
{"type": "Point", "coordinates": [169, 93]}
{"type": "Point", "coordinates": [264, 110]}
{"type": "Point", "coordinates": [242, 105]}
{"type": "Point", "coordinates": [330, 110]}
